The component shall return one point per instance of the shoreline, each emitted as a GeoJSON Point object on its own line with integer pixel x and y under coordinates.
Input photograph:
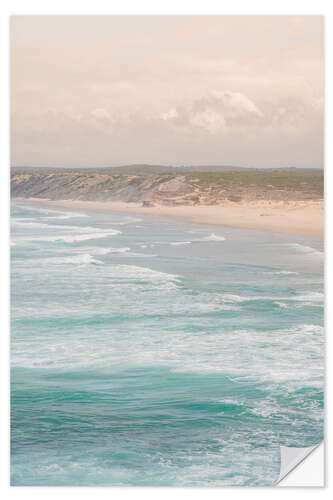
{"type": "Point", "coordinates": [302, 217]}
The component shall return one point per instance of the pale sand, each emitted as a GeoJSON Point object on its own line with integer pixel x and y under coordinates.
{"type": "Point", "coordinates": [302, 217]}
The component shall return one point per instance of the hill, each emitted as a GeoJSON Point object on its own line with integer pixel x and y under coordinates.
{"type": "Point", "coordinates": [177, 186]}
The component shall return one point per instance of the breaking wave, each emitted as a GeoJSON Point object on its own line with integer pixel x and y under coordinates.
{"type": "Point", "coordinates": [72, 238]}
{"type": "Point", "coordinates": [298, 248]}
{"type": "Point", "coordinates": [180, 243]}
{"type": "Point", "coordinates": [84, 258]}
{"type": "Point", "coordinates": [141, 273]}
{"type": "Point", "coordinates": [213, 237]}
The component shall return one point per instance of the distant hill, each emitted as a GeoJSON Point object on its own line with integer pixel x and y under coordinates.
{"type": "Point", "coordinates": [144, 169]}
{"type": "Point", "coordinates": [135, 169]}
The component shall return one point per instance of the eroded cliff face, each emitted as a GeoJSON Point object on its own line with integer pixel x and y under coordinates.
{"type": "Point", "coordinates": [203, 188]}
{"type": "Point", "coordinates": [103, 187]}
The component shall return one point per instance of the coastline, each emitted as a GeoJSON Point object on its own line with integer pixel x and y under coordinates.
{"type": "Point", "coordinates": [302, 217]}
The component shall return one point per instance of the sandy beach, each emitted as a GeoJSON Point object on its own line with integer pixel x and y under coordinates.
{"type": "Point", "coordinates": [302, 217]}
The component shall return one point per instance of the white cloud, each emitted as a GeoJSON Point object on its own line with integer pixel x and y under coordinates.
{"type": "Point", "coordinates": [209, 120]}
{"type": "Point", "coordinates": [216, 112]}
{"type": "Point", "coordinates": [234, 104]}
{"type": "Point", "coordinates": [130, 92]}
{"type": "Point", "coordinates": [172, 113]}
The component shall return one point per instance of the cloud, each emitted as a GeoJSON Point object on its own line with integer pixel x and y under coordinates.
{"type": "Point", "coordinates": [125, 90]}
{"type": "Point", "coordinates": [216, 112]}
{"type": "Point", "coordinates": [169, 115]}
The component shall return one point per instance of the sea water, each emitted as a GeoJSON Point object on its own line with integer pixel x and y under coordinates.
{"type": "Point", "coordinates": [149, 351]}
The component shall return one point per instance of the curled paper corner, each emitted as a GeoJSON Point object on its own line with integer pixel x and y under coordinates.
{"type": "Point", "coordinates": [291, 457]}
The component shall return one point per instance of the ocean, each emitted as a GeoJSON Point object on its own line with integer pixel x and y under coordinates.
{"type": "Point", "coordinates": [152, 352]}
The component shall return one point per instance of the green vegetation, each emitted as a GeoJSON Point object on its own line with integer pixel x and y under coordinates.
{"type": "Point", "coordinates": [309, 183]}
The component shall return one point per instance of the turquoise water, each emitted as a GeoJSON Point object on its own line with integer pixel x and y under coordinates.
{"type": "Point", "coordinates": [152, 352]}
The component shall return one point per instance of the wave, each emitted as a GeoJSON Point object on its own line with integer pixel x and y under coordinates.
{"type": "Point", "coordinates": [141, 255]}
{"type": "Point", "coordinates": [309, 297]}
{"type": "Point", "coordinates": [71, 238]}
{"type": "Point", "coordinates": [281, 304]}
{"type": "Point", "coordinates": [44, 225]}
{"type": "Point", "coordinates": [59, 214]}
{"type": "Point", "coordinates": [141, 273]}
{"type": "Point", "coordinates": [284, 272]}
{"type": "Point", "coordinates": [105, 251]}
{"type": "Point", "coordinates": [308, 329]}
{"type": "Point", "coordinates": [281, 272]}
{"type": "Point", "coordinates": [84, 237]}
{"type": "Point", "coordinates": [84, 258]}
{"type": "Point", "coordinates": [210, 237]}
{"type": "Point", "coordinates": [117, 250]}
{"type": "Point", "coordinates": [297, 247]}
{"type": "Point", "coordinates": [213, 237]}
{"type": "Point", "coordinates": [180, 243]}
{"type": "Point", "coordinates": [18, 222]}
{"type": "Point", "coordinates": [120, 250]}
{"type": "Point", "coordinates": [22, 223]}
{"type": "Point", "coordinates": [69, 215]}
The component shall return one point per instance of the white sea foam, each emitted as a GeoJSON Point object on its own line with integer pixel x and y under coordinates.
{"type": "Point", "coordinates": [140, 255]}
{"type": "Point", "coordinates": [180, 243]}
{"type": "Point", "coordinates": [70, 215]}
{"type": "Point", "coordinates": [280, 272]}
{"type": "Point", "coordinates": [73, 352]}
{"type": "Point", "coordinates": [309, 329]}
{"type": "Point", "coordinates": [298, 248]}
{"type": "Point", "coordinates": [97, 250]}
{"type": "Point", "coordinates": [42, 225]}
{"type": "Point", "coordinates": [281, 304]}
{"type": "Point", "coordinates": [105, 251]}
{"type": "Point", "coordinates": [281, 354]}
{"type": "Point", "coordinates": [141, 273]}
{"type": "Point", "coordinates": [210, 237]}
{"type": "Point", "coordinates": [59, 214]}
{"type": "Point", "coordinates": [213, 237]}
{"type": "Point", "coordinates": [122, 250]}
{"type": "Point", "coordinates": [22, 223]}
{"type": "Point", "coordinates": [309, 297]}
{"type": "Point", "coordinates": [284, 272]}
{"type": "Point", "coordinates": [85, 237]}
{"type": "Point", "coordinates": [84, 258]}
{"type": "Point", "coordinates": [72, 238]}
{"type": "Point", "coordinates": [228, 297]}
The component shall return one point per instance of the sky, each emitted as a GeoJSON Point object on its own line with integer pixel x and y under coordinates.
{"type": "Point", "coordinates": [167, 90]}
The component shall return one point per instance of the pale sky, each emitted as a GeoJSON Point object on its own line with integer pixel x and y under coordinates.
{"type": "Point", "coordinates": [171, 90]}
